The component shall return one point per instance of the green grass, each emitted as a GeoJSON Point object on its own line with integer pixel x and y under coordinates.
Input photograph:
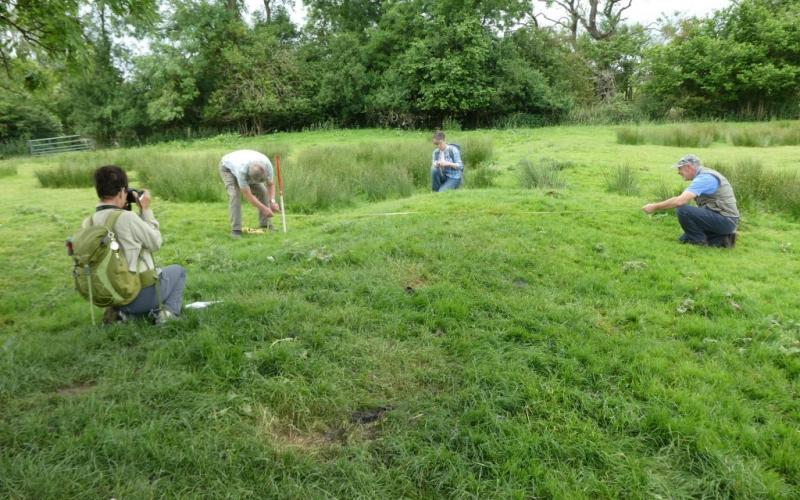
{"type": "Point", "coordinates": [623, 180]}
{"type": "Point", "coordinates": [483, 346]}
{"type": "Point", "coordinates": [8, 170]}
{"type": "Point", "coordinates": [545, 173]}
{"type": "Point", "coordinates": [703, 135]}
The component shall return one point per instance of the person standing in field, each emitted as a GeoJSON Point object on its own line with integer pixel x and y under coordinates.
{"type": "Point", "coordinates": [447, 169]}
{"type": "Point", "coordinates": [249, 173]}
{"type": "Point", "coordinates": [713, 221]}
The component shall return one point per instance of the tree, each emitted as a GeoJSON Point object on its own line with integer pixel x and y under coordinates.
{"type": "Point", "coordinates": [745, 61]}
{"type": "Point", "coordinates": [56, 27]}
{"type": "Point", "coordinates": [600, 20]}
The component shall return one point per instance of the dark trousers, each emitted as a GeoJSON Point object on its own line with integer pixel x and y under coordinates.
{"type": "Point", "coordinates": [702, 226]}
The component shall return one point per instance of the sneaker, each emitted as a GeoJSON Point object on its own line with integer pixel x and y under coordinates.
{"type": "Point", "coordinates": [112, 315]}
{"type": "Point", "coordinates": [236, 234]}
{"type": "Point", "coordinates": [164, 316]}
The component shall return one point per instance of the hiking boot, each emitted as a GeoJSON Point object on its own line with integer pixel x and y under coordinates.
{"type": "Point", "coordinates": [236, 234]}
{"type": "Point", "coordinates": [164, 316]}
{"type": "Point", "coordinates": [112, 315]}
{"type": "Point", "coordinates": [730, 240]}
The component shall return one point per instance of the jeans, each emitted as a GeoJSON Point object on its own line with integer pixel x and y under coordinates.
{"type": "Point", "coordinates": [172, 280]}
{"type": "Point", "coordinates": [234, 199]}
{"type": "Point", "coordinates": [702, 226]}
{"type": "Point", "coordinates": [440, 182]}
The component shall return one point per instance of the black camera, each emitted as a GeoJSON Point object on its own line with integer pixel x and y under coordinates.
{"type": "Point", "coordinates": [131, 199]}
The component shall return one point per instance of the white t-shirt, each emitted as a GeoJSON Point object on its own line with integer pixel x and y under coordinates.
{"type": "Point", "coordinates": [239, 163]}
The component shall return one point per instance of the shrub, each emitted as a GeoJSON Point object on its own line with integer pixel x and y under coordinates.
{"type": "Point", "coordinates": [544, 174]}
{"type": "Point", "coordinates": [623, 180]}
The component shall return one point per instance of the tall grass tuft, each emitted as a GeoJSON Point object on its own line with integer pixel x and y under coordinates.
{"type": "Point", "coordinates": [631, 135]}
{"type": "Point", "coordinates": [623, 180]}
{"type": "Point", "coordinates": [665, 190]}
{"type": "Point", "coordinates": [546, 173]}
{"type": "Point", "coordinates": [326, 177]}
{"type": "Point", "coordinates": [748, 137]}
{"type": "Point", "coordinates": [685, 135]}
{"type": "Point", "coordinates": [754, 186]}
{"type": "Point", "coordinates": [682, 135]}
{"type": "Point", "coordinates": [476, 153]}
{"type": "Point", "coordinates": [8, 170]}
{"type": "Point", "coordinates": [185, 177]}
{"type": "Point", "coordinates": [766, 134]}
{"type": "Point", "coordinates": [66, 176]}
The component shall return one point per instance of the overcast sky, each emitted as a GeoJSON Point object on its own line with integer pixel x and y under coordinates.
{"type": "Point", "coordinates": [642, 11]}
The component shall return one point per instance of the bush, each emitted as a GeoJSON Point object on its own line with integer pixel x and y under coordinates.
{"type": "Point", "coordinates": [544, 174]}
{"type": "Point", "coordinates": [624, 180]}
{"type": "Point", "coordinates": [13, 147]}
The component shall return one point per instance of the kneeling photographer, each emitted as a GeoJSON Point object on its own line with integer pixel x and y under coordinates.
{"type": "Point", "coordinates": [137, 236]}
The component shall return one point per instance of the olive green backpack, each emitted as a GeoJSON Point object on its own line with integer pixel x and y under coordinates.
{"type": "Point", "coordinates": [100, 268]}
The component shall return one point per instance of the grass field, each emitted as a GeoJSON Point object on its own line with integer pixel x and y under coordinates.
{"type": "Point", "coordinates": [513, 342]}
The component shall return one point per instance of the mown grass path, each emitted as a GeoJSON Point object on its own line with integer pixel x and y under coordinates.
{"type": "Point", "coordinates": [473, 348]}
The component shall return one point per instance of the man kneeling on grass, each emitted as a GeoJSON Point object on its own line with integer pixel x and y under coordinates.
{"type": "Point", "coordinates": [248, 173]}
{"type": "Point", "coordinates": [446, 165]}
{"type": "Point", "coordinates": [713, 221]}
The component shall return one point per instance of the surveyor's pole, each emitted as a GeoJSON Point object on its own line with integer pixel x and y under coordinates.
{"type": "Point", "coordinates": [280, 189]}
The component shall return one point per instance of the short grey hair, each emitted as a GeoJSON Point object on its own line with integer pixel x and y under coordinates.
{"type": "Point", "coordinates": [257, 172]}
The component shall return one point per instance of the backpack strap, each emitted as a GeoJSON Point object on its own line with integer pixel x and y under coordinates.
{"type": "Point", "coordinates": [112, 219]}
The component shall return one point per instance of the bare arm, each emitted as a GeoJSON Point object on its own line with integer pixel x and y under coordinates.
{"type": "Point", "coordinates": [250, 197]}
{"type": "Point", "coordinates": [674, 202]}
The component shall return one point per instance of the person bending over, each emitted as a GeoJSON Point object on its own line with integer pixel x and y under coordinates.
{"type": "Point", "coordinates": [713, 221]}
{"type": "Point", "coordinates": [249, 173]}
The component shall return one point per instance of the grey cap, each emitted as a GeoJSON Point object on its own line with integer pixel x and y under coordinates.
{"type": "Point", "coordinates": [688, 160]}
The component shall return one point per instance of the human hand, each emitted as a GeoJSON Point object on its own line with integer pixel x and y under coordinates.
{"type": "Point", "coordinates": [649, 208]}
{"type": "Point", "coordinates": [274, 207]}
{"type": "Point", "coordinates": [143, 200]}
{"type": "Point", "coordinates": [266, 212]}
